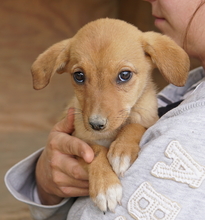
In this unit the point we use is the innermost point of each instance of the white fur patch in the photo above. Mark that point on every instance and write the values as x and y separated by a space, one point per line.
101 202
120 164
110 199
146 204
183 168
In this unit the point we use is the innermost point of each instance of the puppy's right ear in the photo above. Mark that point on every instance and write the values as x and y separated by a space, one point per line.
171 60
52 61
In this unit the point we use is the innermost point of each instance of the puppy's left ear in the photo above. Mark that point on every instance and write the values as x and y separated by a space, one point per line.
52 61
171 60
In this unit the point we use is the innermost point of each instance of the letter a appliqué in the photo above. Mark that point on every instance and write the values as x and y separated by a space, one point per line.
183 168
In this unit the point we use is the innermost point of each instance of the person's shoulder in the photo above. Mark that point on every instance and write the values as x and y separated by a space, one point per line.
198 94
197 71
195 77
193 104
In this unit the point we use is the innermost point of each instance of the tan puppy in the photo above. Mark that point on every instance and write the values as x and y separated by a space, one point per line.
110 63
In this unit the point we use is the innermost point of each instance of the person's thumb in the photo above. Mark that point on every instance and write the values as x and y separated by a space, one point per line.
66 125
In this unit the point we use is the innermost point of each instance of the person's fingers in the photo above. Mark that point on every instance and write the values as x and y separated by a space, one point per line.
62 180
64 186
70 191
70 145
75 170
77 147
74 192
69 166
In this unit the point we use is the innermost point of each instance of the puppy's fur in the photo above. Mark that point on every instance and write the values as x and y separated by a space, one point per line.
110 63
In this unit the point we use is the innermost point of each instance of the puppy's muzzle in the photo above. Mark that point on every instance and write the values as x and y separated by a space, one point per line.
97 122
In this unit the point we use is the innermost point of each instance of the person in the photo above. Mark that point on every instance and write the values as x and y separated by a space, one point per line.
167 181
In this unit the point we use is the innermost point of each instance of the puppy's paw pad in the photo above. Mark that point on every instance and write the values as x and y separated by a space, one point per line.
120 164
109 199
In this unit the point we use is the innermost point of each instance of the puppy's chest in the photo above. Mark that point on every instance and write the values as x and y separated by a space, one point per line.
93 138
104 142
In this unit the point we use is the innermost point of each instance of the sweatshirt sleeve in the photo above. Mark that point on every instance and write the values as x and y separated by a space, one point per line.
20 181
172 94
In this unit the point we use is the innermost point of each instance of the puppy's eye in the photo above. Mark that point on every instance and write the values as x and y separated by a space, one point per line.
124 76
79 77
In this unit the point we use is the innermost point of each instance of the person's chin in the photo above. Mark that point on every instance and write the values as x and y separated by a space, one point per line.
159 23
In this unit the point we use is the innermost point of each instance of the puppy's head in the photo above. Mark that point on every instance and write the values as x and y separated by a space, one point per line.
110 62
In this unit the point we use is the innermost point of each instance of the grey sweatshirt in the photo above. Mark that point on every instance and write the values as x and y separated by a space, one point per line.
166 182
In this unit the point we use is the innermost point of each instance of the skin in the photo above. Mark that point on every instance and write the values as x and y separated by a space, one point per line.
58 173
172 18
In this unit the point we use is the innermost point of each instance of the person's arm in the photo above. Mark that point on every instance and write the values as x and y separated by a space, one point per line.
66 179
20 181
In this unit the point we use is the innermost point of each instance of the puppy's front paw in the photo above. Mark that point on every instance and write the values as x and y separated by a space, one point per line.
104 186
122 155
109 198
119 163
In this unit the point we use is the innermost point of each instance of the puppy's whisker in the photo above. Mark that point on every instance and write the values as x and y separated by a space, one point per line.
78 109
77 113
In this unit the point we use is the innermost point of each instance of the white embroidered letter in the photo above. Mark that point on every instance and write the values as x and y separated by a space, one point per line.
183 168
147 204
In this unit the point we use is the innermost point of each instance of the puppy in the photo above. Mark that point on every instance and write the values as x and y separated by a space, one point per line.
110 64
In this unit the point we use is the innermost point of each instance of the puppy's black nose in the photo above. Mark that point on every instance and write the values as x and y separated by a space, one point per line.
97 123
97 127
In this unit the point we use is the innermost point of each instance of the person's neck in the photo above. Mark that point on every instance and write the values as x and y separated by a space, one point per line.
201 58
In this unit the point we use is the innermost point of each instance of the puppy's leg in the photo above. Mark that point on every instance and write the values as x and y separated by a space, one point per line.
124 150
104 186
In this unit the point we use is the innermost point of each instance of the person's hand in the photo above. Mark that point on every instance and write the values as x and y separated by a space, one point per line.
58 173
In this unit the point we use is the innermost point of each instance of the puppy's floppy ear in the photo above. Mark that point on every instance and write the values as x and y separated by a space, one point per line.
52 61
171 60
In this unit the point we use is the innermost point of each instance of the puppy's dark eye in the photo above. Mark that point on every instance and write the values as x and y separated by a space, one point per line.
79 77
124 76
